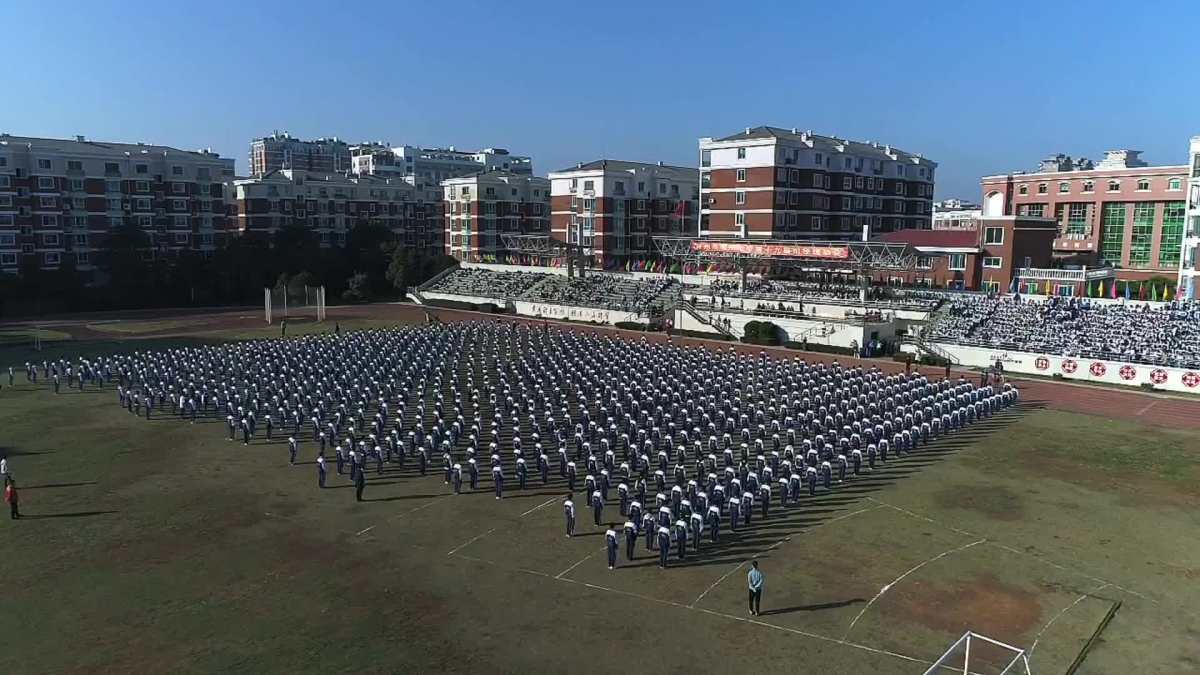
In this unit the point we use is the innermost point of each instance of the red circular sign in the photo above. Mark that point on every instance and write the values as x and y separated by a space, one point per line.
1128 372
1158 376
1098 368
1069 366
1041 363
1191 379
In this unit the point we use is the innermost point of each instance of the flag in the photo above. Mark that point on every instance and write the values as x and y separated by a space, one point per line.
1048 291
1113 290
1142 290
680 209
1101 293
1166 293
1127 290
1012 288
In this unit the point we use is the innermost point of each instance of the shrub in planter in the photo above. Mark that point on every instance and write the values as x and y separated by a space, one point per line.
761 333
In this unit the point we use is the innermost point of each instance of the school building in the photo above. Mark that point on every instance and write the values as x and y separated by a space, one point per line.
1119 212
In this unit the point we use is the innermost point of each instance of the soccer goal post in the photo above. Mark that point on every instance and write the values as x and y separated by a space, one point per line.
958 657
294 302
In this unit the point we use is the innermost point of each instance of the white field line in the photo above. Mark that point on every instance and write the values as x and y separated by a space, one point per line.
470 541
538 507
563 573
733 617
900 578
775 545
364 531
1060 613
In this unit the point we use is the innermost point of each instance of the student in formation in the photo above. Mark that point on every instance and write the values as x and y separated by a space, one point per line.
569 512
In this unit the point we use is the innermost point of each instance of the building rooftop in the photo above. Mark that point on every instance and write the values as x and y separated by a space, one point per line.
828 143
621 165
81 144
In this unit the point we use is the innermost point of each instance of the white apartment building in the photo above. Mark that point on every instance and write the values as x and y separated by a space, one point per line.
480 208
428 167
1189 261
59 198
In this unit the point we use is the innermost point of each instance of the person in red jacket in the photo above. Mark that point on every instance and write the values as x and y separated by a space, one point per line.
10 496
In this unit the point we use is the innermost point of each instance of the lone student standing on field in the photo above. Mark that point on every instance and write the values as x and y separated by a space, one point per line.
755 579
10 496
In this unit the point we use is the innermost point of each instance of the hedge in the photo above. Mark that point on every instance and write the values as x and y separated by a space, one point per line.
488 307
820 348
761 333
699 334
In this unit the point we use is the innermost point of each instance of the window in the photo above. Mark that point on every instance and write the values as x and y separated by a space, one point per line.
847 183
177 170
47 202
7 239
956 262
8 259
181 237
818 223
1032 210
179 188
739 197
1171 235
619 186
1114 186
44 164
589 185
662 188
1175 184
818 180
993 262
1022 189
142 168
83 258
900 188
589 204
49 221
993 235
739 218
1041 188
141 204
1064 290
77 184
1142 234
990 286
1143 184
1064 187
1077 220
741 175
112 167
741 153
49 240
179 205
81 240
858 183
1089 186
51 257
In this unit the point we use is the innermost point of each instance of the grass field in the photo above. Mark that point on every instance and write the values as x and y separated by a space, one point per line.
158 546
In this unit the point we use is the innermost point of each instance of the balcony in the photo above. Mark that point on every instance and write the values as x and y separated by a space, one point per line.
1048 274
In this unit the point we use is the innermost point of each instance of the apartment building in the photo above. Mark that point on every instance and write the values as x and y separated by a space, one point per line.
480 208
429 167
1189 261
1117 212
613 208
769 182
59 198
332 205
955 214
282 151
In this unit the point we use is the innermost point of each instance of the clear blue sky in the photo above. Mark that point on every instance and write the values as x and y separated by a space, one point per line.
979 89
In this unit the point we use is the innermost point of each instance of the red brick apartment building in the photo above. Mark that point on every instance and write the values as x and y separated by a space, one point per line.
615 208
1119 212
981 259
768 182
481 208
59 198
331 205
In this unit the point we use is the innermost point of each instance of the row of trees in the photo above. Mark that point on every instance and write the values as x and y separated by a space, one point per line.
371 266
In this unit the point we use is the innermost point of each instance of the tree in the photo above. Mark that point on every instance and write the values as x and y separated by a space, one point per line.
398 268
121 260
357 288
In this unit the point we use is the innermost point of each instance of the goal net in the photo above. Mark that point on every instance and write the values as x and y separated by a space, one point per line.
294 302
975 654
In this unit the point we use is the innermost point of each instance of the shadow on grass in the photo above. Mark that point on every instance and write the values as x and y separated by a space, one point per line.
813 608
73 514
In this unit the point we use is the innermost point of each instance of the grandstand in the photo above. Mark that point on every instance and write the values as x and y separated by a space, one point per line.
1165 336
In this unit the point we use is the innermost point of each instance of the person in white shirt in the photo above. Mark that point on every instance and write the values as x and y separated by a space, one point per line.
4 469
569 512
